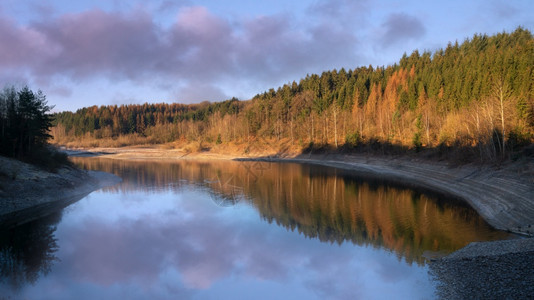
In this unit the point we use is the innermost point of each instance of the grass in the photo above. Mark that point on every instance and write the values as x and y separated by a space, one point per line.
48 158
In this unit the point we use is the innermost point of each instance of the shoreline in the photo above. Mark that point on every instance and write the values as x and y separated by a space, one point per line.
487 270
28 192
503 201
503 195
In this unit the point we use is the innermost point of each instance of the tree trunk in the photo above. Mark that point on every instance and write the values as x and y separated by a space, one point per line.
312 130
291 125
325 132
501 102
335 125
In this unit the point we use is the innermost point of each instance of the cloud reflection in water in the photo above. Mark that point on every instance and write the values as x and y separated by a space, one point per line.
155 249
226 230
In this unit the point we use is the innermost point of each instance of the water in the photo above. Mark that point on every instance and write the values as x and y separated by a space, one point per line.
227 230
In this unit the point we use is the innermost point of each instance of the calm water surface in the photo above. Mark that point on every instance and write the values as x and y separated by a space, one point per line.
235 230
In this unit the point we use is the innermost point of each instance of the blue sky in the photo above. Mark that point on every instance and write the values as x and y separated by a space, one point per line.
83 53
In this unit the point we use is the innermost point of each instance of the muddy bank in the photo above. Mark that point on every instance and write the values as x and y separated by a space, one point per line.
28 193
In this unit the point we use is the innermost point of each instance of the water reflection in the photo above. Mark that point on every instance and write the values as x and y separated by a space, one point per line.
318 202
190 229
179 245
28 251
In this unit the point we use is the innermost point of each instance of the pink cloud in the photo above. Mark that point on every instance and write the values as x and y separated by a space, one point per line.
198 46
96 42
20 45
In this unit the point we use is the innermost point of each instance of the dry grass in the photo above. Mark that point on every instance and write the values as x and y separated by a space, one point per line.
90 142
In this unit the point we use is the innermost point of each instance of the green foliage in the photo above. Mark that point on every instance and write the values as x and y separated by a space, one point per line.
451 87
417 141
128 119
24 122
353 139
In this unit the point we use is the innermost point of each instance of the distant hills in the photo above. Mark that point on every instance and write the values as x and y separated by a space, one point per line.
476 95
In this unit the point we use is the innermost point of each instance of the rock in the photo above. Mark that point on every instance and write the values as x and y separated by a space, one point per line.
489 270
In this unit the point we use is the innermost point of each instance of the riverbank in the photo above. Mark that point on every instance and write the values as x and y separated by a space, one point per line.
28 192
502 195
489 270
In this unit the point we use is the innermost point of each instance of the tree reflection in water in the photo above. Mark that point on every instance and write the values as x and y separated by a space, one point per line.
28 251
324 203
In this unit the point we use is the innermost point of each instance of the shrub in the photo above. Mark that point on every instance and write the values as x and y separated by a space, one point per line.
417 141
353 139
48 158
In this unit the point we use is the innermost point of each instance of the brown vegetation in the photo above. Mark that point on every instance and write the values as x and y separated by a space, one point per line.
477 97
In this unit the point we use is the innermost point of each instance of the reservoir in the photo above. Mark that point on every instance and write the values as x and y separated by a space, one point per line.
218 229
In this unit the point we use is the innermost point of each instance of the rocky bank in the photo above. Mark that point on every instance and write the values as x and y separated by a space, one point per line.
28 192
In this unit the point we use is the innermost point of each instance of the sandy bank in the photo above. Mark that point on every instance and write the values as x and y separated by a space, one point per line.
27 192
504 196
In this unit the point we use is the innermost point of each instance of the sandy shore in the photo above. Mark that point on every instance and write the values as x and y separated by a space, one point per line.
28 193
503 196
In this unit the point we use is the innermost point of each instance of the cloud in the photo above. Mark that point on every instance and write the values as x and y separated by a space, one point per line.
95 42
200 91
197 46
401 27
344 12
60 91
20 45
278 47
168 5
501 9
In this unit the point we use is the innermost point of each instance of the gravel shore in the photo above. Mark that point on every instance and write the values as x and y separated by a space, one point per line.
487 270
504 196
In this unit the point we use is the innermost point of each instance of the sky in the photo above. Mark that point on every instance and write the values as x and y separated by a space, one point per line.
106 52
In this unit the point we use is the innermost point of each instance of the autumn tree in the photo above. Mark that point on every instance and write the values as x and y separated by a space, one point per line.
478 93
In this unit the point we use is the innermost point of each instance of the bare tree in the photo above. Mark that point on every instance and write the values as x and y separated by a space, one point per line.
501 94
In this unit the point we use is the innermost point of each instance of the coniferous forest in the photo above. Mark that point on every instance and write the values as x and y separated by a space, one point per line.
476 95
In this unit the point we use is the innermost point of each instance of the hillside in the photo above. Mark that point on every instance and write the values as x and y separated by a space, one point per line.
477 96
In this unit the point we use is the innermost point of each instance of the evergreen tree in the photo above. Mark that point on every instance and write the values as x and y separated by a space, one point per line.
24 120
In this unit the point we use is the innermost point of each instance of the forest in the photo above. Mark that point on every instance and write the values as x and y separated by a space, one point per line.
477 95
25 123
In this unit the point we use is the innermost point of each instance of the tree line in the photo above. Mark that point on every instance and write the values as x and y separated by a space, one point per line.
24 122
478 94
